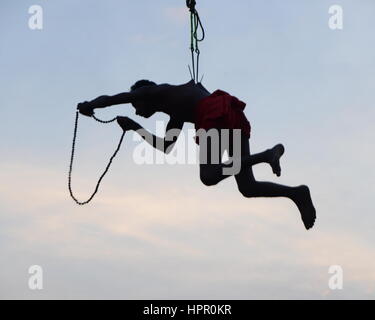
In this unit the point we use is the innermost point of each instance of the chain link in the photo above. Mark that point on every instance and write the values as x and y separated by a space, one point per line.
72 160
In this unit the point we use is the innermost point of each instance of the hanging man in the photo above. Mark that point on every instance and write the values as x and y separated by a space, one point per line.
192 103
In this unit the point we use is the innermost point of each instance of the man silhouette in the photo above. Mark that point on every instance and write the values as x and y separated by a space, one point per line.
191 102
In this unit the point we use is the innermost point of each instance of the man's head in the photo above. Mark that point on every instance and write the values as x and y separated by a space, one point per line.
142 108
142 83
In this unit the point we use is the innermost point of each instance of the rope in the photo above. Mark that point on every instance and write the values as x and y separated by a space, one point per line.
195 24
72 160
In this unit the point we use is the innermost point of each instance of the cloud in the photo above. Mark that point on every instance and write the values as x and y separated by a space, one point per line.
177 15
190 239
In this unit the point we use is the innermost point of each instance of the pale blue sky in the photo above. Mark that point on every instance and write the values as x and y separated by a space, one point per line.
305 85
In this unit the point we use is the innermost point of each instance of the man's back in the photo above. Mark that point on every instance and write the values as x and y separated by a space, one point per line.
179 101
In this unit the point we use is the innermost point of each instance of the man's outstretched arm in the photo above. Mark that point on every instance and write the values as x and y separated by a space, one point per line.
143 93
87 107
106 101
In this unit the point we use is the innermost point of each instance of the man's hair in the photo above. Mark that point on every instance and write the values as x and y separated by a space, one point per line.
142 83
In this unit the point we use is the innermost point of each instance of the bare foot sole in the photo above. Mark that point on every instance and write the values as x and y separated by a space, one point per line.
274 158
305 206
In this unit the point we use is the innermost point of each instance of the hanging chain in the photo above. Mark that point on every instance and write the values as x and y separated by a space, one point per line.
72 160
195 24
104 121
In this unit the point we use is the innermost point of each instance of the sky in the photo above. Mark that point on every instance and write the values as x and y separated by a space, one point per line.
154 231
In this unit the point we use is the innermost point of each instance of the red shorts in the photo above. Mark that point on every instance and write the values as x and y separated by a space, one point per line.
220 110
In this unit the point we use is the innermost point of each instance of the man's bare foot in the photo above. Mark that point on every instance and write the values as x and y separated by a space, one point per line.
274 158
305 206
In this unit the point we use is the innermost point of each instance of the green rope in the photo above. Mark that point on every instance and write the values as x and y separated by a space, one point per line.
195 24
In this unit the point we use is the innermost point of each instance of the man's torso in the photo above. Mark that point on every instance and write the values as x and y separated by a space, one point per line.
179 101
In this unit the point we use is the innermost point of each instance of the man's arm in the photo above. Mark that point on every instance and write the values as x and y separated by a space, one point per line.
165 144
147 93
106 101
87 107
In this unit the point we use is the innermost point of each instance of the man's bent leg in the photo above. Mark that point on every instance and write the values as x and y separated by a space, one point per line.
211 173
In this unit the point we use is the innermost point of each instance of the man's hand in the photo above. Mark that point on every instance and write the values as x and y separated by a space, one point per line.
86 108
128 124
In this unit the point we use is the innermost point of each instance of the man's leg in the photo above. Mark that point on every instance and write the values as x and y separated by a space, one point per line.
250 188
212 174
270 156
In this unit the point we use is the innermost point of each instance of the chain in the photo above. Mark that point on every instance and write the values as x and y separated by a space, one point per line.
104 121
72 160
